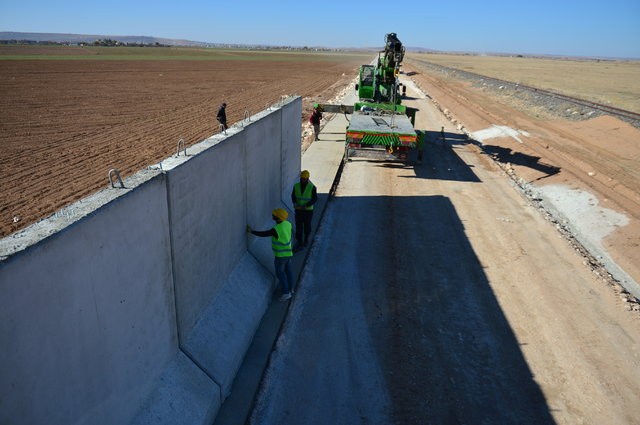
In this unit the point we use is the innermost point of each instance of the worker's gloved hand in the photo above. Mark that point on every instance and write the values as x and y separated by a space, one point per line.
248 229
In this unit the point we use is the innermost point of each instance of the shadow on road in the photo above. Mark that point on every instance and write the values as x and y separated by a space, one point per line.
444 138
500 154
395 322
439 162
448 352
443 163
508 156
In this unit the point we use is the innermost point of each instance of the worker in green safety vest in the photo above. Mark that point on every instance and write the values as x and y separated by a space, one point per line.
304 195
281 245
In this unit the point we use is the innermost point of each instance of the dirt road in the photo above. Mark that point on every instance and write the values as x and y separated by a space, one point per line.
436 293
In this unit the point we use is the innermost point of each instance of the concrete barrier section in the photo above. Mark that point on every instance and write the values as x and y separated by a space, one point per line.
142 309
207 204
290 157
87 320
264 180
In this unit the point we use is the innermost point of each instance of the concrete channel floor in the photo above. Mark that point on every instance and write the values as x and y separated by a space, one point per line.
323 159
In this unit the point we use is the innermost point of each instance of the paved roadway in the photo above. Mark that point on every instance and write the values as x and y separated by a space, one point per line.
435 293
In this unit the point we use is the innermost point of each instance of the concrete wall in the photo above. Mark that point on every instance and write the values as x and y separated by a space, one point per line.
207 203
141 310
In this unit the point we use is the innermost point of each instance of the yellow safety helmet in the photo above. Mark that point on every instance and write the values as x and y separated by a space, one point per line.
280 213
304 174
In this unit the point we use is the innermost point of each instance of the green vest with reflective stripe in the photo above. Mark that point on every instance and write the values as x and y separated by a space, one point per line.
302 198
282 246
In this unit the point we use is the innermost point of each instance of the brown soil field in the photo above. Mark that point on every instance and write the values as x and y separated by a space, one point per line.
610 82
71 114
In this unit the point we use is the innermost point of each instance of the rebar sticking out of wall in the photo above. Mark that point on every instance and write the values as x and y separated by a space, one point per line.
117 174
184 148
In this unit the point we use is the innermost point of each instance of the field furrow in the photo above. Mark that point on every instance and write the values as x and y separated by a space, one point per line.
65 123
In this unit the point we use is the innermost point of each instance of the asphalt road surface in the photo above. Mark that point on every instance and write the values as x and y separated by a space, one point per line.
436 294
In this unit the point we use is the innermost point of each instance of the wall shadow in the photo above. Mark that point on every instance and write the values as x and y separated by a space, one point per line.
448 353
443 163
507 155
437 164
500 154
445 138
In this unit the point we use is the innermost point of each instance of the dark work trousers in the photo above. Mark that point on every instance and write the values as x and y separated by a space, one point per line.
283 272
303 225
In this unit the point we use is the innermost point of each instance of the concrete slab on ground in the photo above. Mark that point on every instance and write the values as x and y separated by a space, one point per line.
183 396
229 322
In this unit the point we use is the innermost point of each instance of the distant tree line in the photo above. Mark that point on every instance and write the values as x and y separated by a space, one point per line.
111 43
106 42
48 43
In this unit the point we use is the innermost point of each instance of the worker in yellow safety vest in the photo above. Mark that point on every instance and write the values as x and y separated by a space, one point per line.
304 195
281 245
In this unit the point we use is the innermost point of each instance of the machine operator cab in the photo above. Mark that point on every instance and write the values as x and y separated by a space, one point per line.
366 86
379 83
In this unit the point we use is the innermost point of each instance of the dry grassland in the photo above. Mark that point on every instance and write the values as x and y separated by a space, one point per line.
614 83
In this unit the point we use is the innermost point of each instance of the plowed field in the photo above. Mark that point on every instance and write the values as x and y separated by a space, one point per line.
69 115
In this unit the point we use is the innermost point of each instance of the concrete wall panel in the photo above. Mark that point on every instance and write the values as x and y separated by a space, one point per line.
263 153
207 224
93 317
291 157
87 316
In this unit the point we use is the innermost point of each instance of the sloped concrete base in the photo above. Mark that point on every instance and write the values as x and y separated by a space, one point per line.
223 333
184 395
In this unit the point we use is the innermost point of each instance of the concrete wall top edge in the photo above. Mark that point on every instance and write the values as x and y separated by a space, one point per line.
63 218
174 161
21 240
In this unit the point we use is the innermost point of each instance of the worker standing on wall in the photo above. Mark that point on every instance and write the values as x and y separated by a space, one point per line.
303 196
281 245
222 116
314 119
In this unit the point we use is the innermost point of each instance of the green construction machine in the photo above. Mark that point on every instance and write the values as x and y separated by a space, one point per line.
380 127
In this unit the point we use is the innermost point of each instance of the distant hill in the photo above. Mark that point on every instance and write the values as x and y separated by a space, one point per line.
41 37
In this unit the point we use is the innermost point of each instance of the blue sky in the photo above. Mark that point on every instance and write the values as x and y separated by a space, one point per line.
567 27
